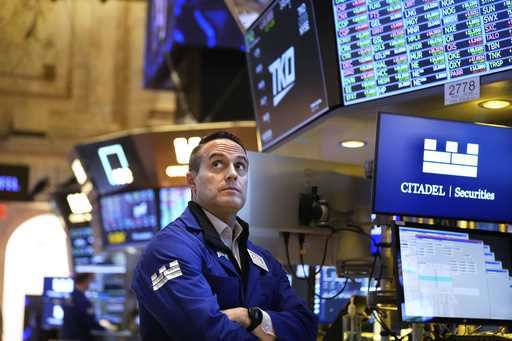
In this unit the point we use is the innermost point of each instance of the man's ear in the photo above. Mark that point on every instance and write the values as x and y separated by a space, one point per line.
191 181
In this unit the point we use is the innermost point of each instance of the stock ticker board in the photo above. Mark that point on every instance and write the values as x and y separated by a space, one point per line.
389 47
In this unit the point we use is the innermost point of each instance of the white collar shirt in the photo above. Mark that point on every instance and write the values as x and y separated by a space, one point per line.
228 234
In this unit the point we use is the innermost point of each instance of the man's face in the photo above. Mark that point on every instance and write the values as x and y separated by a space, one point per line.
220 186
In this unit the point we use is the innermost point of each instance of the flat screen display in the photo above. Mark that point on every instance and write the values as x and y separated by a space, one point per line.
449 275
129 217
55 291
445 169
389 47
173 201
13 182
285 68
201 23
82 246
114 165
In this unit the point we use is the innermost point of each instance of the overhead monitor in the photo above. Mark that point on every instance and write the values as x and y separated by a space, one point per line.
285 68
56 290
204 24
173 201
129 217
114 165
446 169
391 47
452 275
13 182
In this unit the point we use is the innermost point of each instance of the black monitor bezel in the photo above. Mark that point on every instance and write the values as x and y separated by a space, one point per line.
375 170
399 285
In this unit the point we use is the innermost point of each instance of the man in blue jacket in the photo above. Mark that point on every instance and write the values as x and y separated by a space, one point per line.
201 278
79 318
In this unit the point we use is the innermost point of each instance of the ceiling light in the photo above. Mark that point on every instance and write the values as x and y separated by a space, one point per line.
353 144
495 104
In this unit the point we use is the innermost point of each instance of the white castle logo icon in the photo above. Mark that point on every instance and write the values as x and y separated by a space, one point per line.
450 162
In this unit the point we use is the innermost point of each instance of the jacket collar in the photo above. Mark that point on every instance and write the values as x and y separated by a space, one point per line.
195 218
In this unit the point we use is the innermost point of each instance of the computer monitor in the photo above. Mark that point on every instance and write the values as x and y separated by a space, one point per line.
453 275
387 48
82 246
129 218
429 167
285 68
55 291
173 201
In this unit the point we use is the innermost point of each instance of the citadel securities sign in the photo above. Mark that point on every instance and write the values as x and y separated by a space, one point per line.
450 162
446 169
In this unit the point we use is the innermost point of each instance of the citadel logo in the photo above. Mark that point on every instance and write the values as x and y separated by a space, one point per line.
283 75
450 162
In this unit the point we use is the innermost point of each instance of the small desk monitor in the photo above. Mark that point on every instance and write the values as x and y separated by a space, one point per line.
453 275
56 290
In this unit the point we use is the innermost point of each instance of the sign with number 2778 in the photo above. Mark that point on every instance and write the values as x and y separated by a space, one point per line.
462 90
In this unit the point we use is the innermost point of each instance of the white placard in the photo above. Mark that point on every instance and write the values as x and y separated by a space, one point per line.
462 90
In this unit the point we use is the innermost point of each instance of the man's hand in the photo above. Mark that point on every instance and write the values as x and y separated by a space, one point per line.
241 316
238 315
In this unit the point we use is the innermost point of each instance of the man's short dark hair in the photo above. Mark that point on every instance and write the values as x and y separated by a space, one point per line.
195 157
83 277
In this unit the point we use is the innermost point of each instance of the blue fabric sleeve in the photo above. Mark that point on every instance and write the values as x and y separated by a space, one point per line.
291 318
184 306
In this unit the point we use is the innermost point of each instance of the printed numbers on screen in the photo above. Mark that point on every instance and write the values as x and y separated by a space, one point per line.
461 87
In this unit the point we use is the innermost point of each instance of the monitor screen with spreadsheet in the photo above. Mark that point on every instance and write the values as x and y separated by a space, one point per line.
453 275
389 47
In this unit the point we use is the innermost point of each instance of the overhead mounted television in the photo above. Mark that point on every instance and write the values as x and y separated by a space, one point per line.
173 201
396 46
445 169
13 182
114 165
285 68
129 218
452 275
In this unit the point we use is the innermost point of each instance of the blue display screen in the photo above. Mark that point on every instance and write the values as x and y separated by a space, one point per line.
82 246
129 217
173 201
55 291
445 169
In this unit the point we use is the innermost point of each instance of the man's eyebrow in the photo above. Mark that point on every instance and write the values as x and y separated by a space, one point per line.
243 157
213 155
216 155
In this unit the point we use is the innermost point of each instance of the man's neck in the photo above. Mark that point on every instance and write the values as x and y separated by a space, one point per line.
228 218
